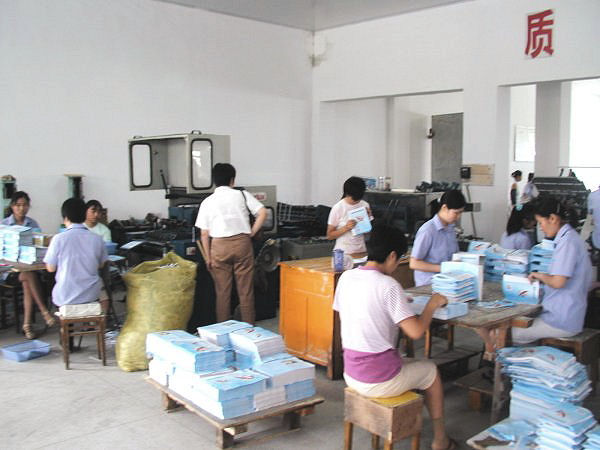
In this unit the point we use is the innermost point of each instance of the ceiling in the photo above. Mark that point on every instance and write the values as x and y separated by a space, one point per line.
313 15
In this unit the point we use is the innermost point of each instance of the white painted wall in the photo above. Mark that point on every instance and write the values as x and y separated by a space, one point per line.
522 113
477 47
80 77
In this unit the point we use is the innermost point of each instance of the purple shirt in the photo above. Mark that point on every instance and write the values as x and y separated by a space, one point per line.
372 367
78 254
434 244
565 308
28 222
517 241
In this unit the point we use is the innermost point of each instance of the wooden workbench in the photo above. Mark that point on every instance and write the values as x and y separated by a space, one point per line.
309 325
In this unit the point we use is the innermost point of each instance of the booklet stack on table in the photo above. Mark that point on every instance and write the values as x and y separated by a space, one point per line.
258 376
521 290
455 286
500 261
593 439
541 256
28 254
13 237
450 311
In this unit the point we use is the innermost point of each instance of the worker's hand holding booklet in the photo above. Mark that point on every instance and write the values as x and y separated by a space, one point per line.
363 222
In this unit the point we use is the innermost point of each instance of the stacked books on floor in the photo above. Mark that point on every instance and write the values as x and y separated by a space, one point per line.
541 256
450 311
231 370
29 254
549 386
520 289
501 261
13 237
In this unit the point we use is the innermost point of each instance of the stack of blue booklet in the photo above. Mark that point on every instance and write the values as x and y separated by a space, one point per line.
13 237
450 311
500 261
544 378
218 333
479 247
29 254
564 427
510 430
256 343
520 289
284 371
541 256
197 356
455 286
299 390
593 439
158 344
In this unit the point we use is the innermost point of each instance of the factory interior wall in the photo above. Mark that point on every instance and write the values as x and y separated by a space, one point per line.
474 47
81 77
522 114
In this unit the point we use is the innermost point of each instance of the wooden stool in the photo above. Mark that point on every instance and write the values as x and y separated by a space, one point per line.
586 348
80 326
393 418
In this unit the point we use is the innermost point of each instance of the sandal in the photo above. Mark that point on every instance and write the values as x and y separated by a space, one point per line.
28 332
452 444
48 318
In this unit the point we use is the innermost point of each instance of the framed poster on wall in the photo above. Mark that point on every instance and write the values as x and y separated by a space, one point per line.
524 143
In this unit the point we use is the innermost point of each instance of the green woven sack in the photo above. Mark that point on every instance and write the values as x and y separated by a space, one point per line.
160 296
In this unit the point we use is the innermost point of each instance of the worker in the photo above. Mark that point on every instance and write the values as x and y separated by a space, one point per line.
530 192
372 308
226 241
519 223
514 188
339 224
436 241
32 291
93 213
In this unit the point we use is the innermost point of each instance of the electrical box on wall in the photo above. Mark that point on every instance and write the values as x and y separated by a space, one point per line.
478 174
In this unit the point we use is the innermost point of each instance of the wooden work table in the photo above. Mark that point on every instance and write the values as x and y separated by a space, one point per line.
309 325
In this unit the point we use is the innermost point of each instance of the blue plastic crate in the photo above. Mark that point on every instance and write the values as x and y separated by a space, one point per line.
26 350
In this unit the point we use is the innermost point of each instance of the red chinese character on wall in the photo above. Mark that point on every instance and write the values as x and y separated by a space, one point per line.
539 33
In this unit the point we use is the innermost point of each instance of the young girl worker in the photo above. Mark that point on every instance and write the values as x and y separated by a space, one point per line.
19 204
516 236
339 224
435 241
566 284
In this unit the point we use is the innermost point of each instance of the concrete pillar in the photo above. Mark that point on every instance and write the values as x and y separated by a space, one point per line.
552 127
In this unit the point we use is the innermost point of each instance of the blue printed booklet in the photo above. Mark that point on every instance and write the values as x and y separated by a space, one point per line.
240 383
198 355
363 222
472 269
478 246
158 343
218 333
521 289
257 342
286 371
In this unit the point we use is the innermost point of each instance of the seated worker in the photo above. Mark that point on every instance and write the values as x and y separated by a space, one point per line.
436 241
372 308
76 255
32 291
520 221
93 213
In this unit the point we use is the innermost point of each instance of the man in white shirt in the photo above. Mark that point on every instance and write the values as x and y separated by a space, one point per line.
226 242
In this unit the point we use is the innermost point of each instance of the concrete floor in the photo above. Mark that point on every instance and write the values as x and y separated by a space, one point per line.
96 407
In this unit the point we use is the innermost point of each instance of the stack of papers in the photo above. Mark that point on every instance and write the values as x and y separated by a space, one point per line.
197 356
450 311
270 398
158 344
500 261
14 237
564 428
512 430
593 439
543 378
541 256
455 286
160 370
471 258
298 391
28 254
218 333
521 290
240 383
286 371
257 343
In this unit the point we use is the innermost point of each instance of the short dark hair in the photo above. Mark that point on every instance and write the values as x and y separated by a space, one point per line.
517 215
354 187
385 239
18 196
516 173
222 174
545 206
453 199
93 204
74 209
530 176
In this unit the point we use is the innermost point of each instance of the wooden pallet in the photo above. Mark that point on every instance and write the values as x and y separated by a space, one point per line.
228 429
